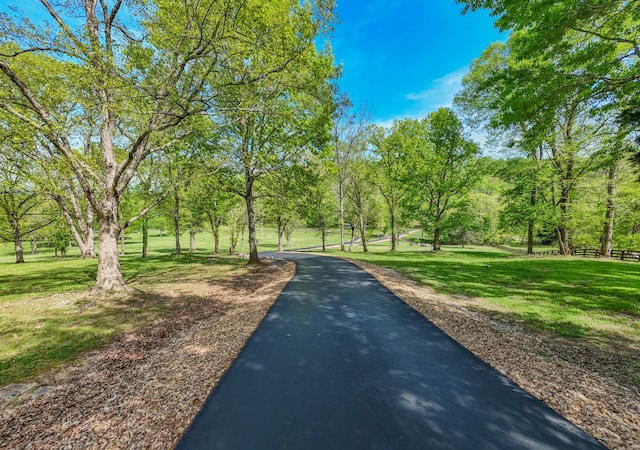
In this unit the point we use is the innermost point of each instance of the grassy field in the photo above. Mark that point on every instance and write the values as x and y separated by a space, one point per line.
46 317
536 248
165 244
575 297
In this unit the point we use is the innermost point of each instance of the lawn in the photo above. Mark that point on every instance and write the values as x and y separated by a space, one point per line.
47 318
575 297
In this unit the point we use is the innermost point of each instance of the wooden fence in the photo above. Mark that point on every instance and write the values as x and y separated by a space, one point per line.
624 255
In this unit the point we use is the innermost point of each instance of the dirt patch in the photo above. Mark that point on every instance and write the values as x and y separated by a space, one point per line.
144 389
584 383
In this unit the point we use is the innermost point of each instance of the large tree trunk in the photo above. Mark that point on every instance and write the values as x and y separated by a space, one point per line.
562 234
88 249
363 230
436 237
109 274
17 238
280 234
530 227
192 240
34 246
607 235
254 258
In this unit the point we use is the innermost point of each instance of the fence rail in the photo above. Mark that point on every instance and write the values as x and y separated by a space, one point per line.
624 255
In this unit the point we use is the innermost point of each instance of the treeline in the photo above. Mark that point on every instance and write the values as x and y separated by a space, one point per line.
218 115
108 101
562 94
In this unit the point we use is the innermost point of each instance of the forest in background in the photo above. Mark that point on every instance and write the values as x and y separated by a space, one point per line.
214 117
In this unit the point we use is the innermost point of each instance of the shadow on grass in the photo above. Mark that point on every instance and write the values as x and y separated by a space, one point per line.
607 353
73 275
586 285
62 335
59 328
48 278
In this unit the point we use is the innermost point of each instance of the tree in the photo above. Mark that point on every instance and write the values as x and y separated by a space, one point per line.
544 115
20 201
443 164
359 191
347 133
25 207
284 197
137 72
148 190
596 41
273 124
496 96
237 220
320 203
594 44
617 146
391 174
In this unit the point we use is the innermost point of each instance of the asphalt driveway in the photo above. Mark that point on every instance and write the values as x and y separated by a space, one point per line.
342 363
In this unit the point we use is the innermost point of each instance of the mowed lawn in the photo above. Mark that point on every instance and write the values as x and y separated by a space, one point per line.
576 297
47 317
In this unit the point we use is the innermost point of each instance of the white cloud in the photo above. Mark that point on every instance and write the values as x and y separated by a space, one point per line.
439 93
385 123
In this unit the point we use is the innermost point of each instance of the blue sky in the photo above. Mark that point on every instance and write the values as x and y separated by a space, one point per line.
401 58
405 58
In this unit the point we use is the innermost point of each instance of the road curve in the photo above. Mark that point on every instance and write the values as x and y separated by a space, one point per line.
340 362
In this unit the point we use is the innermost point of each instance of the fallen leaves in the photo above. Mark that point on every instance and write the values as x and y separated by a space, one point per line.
143 390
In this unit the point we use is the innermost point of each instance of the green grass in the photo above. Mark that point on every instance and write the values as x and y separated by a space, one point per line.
575 297
47 318
165 244
536 248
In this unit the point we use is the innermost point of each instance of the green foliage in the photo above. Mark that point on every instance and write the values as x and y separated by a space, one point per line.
135 79
442 167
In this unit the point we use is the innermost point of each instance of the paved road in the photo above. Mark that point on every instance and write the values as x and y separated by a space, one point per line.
341 363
